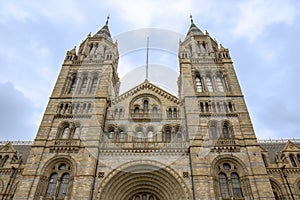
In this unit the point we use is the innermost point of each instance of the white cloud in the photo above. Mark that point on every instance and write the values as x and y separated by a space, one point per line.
57 11
255 15
12 11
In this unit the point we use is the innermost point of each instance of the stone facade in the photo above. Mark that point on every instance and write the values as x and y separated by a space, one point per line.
147 144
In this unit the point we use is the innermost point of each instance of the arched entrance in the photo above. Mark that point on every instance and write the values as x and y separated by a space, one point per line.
143 180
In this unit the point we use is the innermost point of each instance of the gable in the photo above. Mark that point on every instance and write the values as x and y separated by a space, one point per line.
145 89
8 148
290 147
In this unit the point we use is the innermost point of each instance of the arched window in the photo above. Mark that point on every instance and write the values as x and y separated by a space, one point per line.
175 113
94 85
139 134
168 135
170 113
83 85
219 84
225 131
223 185
154 109
146 105
198 84
111 133
209 84
121 113
51 185
58 182
122 135
65 132
213 131
63 188
236 185
76 131
136 110
150 135
293 161
73 85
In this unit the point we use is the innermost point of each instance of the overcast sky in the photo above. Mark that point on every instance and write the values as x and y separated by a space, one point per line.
262 36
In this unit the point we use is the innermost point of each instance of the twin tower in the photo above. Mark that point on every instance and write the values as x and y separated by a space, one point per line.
146 144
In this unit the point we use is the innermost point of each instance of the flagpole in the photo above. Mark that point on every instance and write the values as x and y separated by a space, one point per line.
147 58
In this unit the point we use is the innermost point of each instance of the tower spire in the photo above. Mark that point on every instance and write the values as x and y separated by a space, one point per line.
147 58
107 19
191 16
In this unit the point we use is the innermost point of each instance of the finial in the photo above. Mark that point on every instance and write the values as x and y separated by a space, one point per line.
191 16
107 19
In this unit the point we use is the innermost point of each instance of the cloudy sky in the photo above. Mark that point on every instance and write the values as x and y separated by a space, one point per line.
262 36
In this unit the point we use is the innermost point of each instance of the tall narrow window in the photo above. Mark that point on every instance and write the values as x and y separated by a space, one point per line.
206 107
201 107
225 131
213 131
150 135
65 133
175 113
209 84
179 135
94 85
111 134
293 161
63 188
139 135
122 135
170 113
168 135
198 84
83 85
51 185
236 185
223 184
219 84
73 85
146 105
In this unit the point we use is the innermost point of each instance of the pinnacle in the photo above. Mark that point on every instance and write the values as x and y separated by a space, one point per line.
104 31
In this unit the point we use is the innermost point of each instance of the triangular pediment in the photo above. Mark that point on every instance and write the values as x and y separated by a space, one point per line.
290 146
143 88
7 148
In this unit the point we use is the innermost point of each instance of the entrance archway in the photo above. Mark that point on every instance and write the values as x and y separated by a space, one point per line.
143 180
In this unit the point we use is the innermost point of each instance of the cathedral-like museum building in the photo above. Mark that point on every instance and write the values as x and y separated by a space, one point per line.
148 144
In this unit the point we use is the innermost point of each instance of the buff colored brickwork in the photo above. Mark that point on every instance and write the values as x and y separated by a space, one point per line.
148 144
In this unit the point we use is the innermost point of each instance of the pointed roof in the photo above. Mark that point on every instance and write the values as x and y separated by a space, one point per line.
146 86
104 31
7 148
193 30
